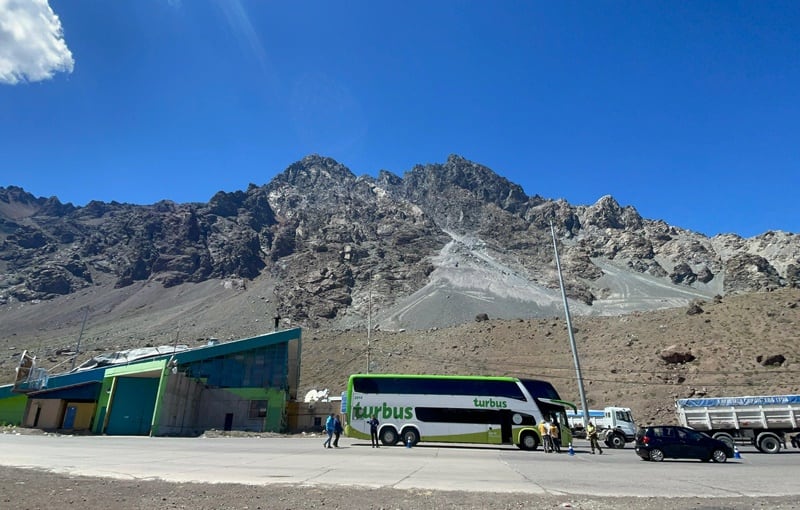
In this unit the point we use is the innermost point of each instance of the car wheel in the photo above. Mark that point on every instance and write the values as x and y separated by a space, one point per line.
725 438
656 455
719 456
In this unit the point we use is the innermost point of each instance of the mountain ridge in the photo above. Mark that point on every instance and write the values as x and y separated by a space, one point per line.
450 268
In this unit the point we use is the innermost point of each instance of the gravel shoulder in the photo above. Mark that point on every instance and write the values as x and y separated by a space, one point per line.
29 489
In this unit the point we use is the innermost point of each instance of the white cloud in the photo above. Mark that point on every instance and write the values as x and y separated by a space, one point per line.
32 46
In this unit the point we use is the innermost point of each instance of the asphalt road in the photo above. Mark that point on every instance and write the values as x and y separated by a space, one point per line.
302 460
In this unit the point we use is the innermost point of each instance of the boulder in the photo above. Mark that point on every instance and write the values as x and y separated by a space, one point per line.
675 354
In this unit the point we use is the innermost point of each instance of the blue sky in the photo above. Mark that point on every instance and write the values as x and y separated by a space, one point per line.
687 111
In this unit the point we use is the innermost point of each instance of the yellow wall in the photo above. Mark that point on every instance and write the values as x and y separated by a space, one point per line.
83 416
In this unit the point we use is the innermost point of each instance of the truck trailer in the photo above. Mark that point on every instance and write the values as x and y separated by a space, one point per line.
615 425
763 421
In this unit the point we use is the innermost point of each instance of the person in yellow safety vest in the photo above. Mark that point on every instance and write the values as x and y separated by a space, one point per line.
591 434
555 435
544 433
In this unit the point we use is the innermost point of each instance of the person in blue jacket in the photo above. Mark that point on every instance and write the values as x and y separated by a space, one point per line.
329 427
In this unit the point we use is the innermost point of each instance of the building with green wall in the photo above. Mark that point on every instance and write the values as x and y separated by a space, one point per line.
241 385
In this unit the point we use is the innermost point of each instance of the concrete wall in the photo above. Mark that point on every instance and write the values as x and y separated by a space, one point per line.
216 404
50 416
179 406
303 416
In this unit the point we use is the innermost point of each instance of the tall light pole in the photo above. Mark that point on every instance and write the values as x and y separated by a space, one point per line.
569 329
369 319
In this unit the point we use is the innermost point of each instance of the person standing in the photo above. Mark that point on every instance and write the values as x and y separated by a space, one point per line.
373 430
591 434
337 430
544 433
328 430
555 435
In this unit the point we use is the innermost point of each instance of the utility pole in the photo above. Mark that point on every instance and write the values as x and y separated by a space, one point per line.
78 348
369 320
571 334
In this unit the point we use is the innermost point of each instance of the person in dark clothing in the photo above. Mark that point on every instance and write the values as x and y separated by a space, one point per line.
373 431
337 430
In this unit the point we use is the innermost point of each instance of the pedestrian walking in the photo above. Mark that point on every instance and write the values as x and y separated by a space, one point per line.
591 434
337 430
328 430
373 431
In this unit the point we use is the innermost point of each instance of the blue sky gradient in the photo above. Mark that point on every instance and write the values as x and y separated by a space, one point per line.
687 111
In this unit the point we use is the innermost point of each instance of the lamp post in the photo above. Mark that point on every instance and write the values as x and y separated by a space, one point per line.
369 320
569 329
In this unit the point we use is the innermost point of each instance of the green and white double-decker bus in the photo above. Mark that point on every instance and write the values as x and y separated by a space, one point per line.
453 409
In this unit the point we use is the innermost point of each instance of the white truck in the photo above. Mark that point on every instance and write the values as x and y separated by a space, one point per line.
615 425
760 421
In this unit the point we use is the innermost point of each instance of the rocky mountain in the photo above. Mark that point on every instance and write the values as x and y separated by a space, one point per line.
454 254
332 241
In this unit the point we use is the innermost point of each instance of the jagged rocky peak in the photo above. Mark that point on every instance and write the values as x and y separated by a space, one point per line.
480 182
314 171
607 213
16 203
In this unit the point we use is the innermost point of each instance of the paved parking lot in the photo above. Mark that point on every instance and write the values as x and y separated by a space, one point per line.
302 460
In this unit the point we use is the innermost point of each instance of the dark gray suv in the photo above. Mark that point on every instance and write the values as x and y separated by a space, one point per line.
666 441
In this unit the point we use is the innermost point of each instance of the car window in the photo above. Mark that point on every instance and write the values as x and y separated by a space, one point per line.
694 436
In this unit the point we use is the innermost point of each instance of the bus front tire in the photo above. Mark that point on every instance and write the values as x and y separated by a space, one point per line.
528 441
389 436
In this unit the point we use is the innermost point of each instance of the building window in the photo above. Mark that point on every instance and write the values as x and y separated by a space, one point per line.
258 409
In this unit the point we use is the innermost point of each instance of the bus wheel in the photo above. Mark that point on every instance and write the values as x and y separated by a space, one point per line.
528 441
389 436
410 436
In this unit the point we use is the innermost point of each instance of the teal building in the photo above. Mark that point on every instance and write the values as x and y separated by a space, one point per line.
243 385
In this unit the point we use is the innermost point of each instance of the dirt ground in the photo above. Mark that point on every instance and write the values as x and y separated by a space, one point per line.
619 356
26 489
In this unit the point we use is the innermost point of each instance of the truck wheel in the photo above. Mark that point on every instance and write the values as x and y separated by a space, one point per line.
616 441
725 438
769 444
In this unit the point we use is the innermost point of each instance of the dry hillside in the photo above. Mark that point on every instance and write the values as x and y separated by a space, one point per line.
619 356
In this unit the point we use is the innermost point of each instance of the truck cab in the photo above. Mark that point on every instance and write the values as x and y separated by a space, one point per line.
615 425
